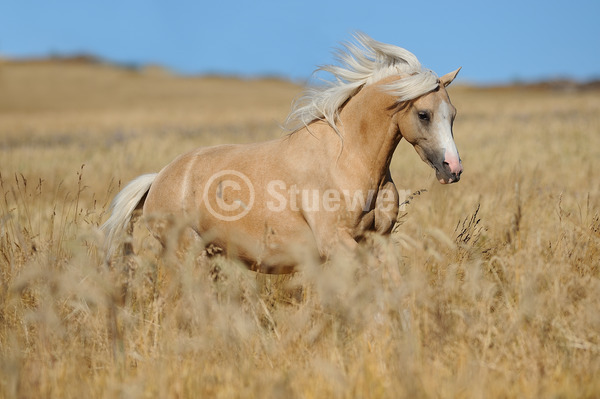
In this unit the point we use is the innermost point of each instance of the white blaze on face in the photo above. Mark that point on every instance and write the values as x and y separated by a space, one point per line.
444 130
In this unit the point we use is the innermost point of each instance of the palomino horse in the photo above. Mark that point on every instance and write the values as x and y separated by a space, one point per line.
322 187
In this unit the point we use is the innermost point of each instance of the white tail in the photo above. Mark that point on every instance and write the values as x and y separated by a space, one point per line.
122 208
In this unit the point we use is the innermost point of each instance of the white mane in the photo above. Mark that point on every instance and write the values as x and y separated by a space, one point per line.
361 64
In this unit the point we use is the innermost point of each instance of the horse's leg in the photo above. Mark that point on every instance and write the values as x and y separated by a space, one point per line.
128 243
386 206
130 264
329 236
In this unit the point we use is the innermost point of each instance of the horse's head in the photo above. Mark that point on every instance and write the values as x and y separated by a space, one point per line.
426 123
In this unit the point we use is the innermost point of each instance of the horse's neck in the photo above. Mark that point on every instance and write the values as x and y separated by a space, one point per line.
370 136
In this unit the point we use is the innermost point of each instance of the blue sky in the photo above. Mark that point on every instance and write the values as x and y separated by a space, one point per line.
494 42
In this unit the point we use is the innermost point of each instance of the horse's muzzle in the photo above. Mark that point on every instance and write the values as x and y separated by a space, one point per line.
449 172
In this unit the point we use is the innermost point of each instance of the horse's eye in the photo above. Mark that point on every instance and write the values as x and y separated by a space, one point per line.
424 116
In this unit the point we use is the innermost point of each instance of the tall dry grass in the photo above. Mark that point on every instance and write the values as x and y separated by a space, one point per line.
487 288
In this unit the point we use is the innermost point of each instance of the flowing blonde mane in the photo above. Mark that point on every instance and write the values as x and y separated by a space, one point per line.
366 62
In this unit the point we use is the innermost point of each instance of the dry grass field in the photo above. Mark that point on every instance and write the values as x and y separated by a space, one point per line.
488 288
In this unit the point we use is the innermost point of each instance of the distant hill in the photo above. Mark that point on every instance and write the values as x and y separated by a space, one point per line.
60 95
67 59
555 85
156 69
85 82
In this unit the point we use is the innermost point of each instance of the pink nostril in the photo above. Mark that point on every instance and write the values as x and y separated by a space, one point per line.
454 166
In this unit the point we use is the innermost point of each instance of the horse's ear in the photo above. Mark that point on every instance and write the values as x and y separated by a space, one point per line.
449 77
